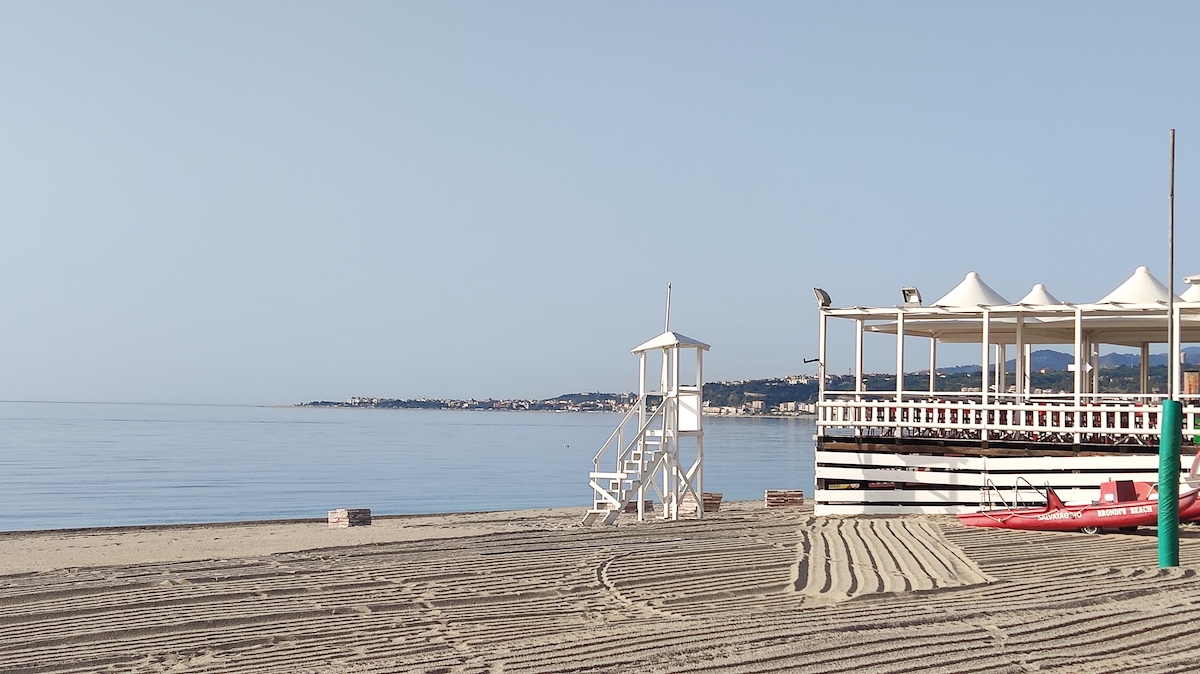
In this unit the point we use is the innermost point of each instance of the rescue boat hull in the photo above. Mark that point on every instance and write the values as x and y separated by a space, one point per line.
1056 516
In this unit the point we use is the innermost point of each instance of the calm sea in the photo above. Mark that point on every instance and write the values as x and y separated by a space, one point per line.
79 465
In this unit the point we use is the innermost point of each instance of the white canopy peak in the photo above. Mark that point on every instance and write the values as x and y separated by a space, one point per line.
970 293
1039 296
1140 288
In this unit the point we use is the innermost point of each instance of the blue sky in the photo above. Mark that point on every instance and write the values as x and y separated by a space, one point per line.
277 202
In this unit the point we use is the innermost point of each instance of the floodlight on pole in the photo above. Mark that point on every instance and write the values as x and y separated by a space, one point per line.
823 300
912 296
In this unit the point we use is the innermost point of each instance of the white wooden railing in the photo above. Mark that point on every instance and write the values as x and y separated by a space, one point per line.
1098 418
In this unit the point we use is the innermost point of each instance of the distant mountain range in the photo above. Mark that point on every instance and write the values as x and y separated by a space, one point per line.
1050 360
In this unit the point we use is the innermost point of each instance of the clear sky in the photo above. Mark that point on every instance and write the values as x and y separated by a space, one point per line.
275 202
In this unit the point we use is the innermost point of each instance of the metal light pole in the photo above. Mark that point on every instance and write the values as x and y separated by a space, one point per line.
1170 427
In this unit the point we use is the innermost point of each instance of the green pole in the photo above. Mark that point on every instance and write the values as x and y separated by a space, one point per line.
1171 435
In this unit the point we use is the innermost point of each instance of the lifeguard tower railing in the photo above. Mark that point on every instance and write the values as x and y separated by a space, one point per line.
1095 418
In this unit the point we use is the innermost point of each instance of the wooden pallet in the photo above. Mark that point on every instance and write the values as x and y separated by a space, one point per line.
349 517
782 498
712 503
631 507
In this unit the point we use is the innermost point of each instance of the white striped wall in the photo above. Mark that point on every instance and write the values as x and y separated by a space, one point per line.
956 482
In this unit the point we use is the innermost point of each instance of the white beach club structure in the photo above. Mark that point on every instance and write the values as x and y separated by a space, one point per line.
938 451
658 448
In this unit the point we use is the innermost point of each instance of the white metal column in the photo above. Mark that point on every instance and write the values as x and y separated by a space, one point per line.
1144 367
933 364
1028 374
858 373
1078 368
1176 351
899 360
821 356
1001 371
899 371
1019 366
858 356
987 353
699 477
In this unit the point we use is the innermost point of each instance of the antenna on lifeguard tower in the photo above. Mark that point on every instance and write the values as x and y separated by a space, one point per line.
667 326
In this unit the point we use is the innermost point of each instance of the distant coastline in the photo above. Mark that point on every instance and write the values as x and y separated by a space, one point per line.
786 396
794 395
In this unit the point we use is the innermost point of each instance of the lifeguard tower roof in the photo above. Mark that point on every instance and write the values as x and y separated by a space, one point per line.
669 339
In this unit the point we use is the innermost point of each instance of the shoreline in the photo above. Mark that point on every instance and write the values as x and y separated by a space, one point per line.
38 551
125 528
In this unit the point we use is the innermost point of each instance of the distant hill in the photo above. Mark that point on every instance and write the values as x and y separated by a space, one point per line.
1042 359
1051 360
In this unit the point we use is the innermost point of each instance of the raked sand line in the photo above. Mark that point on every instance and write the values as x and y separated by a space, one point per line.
842 558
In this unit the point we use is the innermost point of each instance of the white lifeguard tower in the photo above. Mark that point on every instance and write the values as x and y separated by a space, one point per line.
658 448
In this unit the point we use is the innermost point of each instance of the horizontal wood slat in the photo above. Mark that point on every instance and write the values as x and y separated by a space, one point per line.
779 498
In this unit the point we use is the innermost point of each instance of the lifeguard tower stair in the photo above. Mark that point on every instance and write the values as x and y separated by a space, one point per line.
637 462
657 451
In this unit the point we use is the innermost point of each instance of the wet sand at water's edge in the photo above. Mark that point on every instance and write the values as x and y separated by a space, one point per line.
744 590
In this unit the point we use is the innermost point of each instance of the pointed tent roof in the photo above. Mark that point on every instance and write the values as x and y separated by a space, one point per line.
670 339
1141 288
1039 296
970 293
1192 294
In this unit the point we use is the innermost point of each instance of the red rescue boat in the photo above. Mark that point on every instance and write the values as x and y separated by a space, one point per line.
1123 505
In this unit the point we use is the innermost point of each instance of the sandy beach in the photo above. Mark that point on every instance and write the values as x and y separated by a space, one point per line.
745 590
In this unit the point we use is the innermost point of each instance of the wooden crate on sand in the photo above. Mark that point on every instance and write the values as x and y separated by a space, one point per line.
631 507
349 517
712 503
781 498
